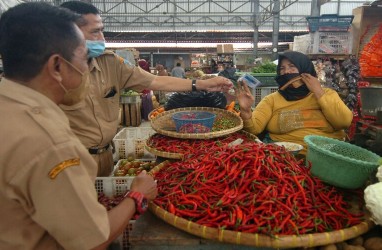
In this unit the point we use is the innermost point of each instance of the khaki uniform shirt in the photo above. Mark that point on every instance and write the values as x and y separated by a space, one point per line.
291 121
41 206
95 120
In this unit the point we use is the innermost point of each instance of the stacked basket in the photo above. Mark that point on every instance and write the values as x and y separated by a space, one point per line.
164 123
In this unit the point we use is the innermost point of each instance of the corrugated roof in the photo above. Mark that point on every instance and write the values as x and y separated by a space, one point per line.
213 15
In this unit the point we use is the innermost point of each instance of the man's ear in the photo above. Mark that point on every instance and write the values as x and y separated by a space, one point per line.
54 67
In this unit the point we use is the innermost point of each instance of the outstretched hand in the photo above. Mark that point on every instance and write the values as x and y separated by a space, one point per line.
218 84
245 99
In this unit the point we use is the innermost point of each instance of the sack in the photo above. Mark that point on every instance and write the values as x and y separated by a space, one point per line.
196 99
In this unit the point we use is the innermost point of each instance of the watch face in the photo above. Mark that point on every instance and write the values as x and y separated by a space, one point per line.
145 204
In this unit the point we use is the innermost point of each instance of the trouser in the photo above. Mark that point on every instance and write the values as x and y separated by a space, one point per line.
105 162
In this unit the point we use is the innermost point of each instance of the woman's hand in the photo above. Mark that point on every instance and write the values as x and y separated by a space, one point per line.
146 185
245 99
313 84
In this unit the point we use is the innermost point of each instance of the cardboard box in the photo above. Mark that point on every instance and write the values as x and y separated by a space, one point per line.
365 23
132 114
224 48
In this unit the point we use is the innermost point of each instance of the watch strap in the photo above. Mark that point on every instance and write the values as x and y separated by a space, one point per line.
193 84
140 202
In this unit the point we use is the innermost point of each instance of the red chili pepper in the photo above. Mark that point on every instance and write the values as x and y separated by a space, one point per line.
272 190
171 208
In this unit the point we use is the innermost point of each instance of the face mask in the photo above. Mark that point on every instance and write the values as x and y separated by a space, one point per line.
283 79
95 48
76 95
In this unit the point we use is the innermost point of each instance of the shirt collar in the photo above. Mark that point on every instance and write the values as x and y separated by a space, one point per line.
93 64
23 94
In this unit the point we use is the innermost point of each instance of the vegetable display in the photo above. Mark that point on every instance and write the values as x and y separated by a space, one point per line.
128 167
253 188
186 146
109 202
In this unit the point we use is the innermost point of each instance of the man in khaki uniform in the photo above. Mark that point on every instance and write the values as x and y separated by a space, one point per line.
47 194
95 121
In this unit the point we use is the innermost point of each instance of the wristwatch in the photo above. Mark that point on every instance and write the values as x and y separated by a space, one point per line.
141 203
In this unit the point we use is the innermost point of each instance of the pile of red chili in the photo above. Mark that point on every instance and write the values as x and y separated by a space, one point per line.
184 146
254 188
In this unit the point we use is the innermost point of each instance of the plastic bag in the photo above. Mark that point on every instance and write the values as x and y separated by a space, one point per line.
229 73
147 104
196 99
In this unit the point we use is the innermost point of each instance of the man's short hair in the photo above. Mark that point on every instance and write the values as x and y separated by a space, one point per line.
178 64
81 8
31 33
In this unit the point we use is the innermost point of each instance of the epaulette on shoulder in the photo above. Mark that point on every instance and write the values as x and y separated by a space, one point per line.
109 52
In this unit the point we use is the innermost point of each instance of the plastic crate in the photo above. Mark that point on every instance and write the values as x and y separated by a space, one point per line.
329 22
260 93
113 186
266 79
131 142
303 43
331 43
116 166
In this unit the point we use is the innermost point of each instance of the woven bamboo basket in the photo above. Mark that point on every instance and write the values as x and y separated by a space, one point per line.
163 154
260 240
164 124
152 112
171 155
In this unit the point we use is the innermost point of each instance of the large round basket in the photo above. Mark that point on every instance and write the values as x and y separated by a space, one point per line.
164 124
340 163
164 154
173 155
260 240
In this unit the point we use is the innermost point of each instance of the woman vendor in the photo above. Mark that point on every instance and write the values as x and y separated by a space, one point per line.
295 110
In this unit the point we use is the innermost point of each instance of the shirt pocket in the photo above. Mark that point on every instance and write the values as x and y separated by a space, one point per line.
110 107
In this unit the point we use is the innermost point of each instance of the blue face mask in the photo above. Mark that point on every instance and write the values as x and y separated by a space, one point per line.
95 48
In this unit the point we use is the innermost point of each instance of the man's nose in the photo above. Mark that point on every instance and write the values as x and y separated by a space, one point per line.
100 36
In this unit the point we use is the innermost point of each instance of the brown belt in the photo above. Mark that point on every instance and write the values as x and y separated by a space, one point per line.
98 150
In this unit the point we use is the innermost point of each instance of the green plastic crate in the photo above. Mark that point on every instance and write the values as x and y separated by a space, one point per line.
267 79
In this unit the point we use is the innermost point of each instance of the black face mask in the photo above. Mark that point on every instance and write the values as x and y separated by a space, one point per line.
290 93
283 79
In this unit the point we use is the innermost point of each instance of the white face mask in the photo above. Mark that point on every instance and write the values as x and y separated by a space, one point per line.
76 95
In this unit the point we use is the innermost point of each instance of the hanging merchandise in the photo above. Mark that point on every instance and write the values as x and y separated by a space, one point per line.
351 72
342 77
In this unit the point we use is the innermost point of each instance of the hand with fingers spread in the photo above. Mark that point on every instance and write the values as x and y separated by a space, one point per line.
245 99
313 84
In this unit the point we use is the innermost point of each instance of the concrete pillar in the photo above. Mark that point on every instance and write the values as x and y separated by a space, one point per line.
276 27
